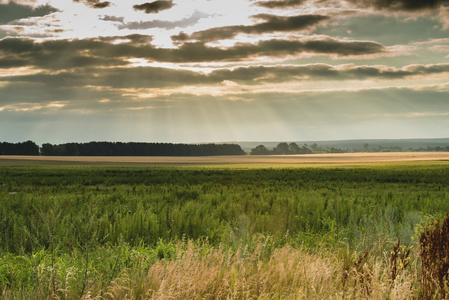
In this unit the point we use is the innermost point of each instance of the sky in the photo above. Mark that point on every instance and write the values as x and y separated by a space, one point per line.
190 71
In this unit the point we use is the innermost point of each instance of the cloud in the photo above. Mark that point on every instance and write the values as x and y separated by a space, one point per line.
427 69
271 23
317 72
198 52
12 11
53 54
443 16
113 19
57 54
95 3
12 63
193 19
281 4
102 4
440 48
113 79
406 5
120 81
155 6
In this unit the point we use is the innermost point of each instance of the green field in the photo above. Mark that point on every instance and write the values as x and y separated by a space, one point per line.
79 231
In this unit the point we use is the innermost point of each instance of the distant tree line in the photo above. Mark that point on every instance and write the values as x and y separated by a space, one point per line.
293 148
281 148
24 148
367 148
139 149
432 149
169 149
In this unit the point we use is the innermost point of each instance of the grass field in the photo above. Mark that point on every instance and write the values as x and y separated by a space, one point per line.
126 229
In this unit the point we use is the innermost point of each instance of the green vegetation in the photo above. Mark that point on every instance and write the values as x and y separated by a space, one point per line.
69 232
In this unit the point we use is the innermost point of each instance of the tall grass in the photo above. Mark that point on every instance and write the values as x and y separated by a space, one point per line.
199 271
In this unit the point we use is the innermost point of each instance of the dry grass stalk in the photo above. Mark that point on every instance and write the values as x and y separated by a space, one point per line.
399 260
289 273
356 274
434 252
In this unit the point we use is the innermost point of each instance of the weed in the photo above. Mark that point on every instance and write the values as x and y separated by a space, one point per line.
434 253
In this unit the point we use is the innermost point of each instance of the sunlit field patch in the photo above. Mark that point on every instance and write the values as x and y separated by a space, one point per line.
242 161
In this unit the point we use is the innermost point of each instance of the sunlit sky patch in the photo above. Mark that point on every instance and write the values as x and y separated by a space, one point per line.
216 71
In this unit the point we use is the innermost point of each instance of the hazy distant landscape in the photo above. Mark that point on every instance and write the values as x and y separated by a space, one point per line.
358 145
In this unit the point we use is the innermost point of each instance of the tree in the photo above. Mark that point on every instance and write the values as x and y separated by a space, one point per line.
260 150
29 148
294 148
24 148
281 148
305 150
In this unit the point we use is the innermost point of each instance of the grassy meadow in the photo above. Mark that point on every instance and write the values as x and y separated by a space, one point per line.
110 232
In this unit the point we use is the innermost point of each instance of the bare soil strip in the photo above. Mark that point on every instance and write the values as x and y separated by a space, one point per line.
335 158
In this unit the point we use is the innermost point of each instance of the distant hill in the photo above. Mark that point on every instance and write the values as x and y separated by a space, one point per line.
405 144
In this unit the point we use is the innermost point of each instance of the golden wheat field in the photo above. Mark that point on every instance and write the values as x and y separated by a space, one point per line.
333 158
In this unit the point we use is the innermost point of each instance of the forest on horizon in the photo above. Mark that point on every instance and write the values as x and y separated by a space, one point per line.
210 149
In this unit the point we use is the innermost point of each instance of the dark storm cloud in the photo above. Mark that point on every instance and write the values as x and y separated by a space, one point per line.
271 23
193 19
12 11
57 54
408 5
95 3
281 4
155 6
